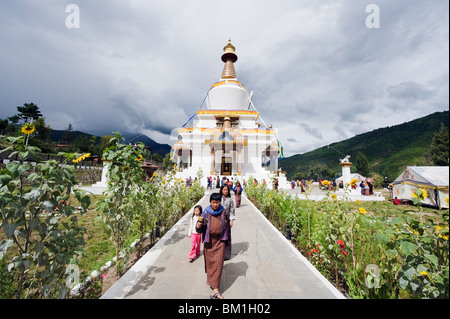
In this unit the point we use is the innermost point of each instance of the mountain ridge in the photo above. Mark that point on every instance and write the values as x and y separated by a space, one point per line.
160 149
387 149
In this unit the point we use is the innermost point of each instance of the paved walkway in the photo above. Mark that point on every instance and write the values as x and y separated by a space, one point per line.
263 265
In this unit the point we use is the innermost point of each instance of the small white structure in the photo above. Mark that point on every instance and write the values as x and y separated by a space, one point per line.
434 179
103 183
101 186
346 175
359 178
227 138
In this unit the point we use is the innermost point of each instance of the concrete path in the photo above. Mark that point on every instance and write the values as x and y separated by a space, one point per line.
263 265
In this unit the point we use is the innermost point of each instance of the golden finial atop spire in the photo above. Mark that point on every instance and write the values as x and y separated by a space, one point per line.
229 57
229 52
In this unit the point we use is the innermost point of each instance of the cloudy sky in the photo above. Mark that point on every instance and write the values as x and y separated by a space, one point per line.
318 72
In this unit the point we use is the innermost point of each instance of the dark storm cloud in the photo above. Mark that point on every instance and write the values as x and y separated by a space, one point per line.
318 73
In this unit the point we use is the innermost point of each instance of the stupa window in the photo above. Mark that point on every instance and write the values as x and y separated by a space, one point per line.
226 136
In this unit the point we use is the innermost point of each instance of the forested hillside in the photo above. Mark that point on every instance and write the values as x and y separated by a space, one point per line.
388 150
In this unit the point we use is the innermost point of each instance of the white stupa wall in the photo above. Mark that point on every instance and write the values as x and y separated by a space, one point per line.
227 96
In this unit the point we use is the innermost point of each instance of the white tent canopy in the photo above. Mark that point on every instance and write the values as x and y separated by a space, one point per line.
434 179
358 177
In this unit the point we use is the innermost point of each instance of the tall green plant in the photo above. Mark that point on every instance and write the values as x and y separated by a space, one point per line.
39 221
368 255
125 178
424 250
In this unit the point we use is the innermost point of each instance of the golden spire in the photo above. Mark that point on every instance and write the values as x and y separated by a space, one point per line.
229 57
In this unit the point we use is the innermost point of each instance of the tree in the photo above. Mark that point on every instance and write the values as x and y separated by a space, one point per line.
3 125
81 143
439 151
42 129
106 142
29 111
362 164
167 162
67 136
12 128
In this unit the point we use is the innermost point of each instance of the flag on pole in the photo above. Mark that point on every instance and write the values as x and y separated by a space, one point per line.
280 146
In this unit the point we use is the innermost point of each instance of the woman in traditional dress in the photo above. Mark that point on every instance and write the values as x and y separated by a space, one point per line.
214 226
228 204
237 193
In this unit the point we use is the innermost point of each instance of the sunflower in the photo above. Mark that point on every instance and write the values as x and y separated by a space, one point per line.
425 274
139 158
82 157
413 231
362 210
333 197
325 183
28 129
353 182
420 194
424 193
438 228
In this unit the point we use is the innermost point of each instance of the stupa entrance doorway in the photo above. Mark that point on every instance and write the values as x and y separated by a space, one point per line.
227 166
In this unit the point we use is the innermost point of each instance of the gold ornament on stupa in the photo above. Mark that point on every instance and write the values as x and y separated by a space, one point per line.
229 57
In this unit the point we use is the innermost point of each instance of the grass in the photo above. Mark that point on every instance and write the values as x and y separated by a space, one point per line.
98 249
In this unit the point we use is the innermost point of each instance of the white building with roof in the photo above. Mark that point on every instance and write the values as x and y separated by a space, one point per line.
228 138
434 179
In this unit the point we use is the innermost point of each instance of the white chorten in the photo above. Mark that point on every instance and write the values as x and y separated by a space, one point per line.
226 139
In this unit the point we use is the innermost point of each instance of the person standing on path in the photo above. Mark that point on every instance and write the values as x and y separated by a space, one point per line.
237 193
228 204
195 236
214 227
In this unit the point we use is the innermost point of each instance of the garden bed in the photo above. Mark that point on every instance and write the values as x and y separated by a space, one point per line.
367 250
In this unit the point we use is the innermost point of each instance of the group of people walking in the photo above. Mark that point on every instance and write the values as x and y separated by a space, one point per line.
212 226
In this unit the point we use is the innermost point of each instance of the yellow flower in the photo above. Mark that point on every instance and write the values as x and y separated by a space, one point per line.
362 210
438 228
446 199
334 197
420 194
28 129
424 193
154 174
353 181
358 201
413 231
139 158
82 158
424 273
325 183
